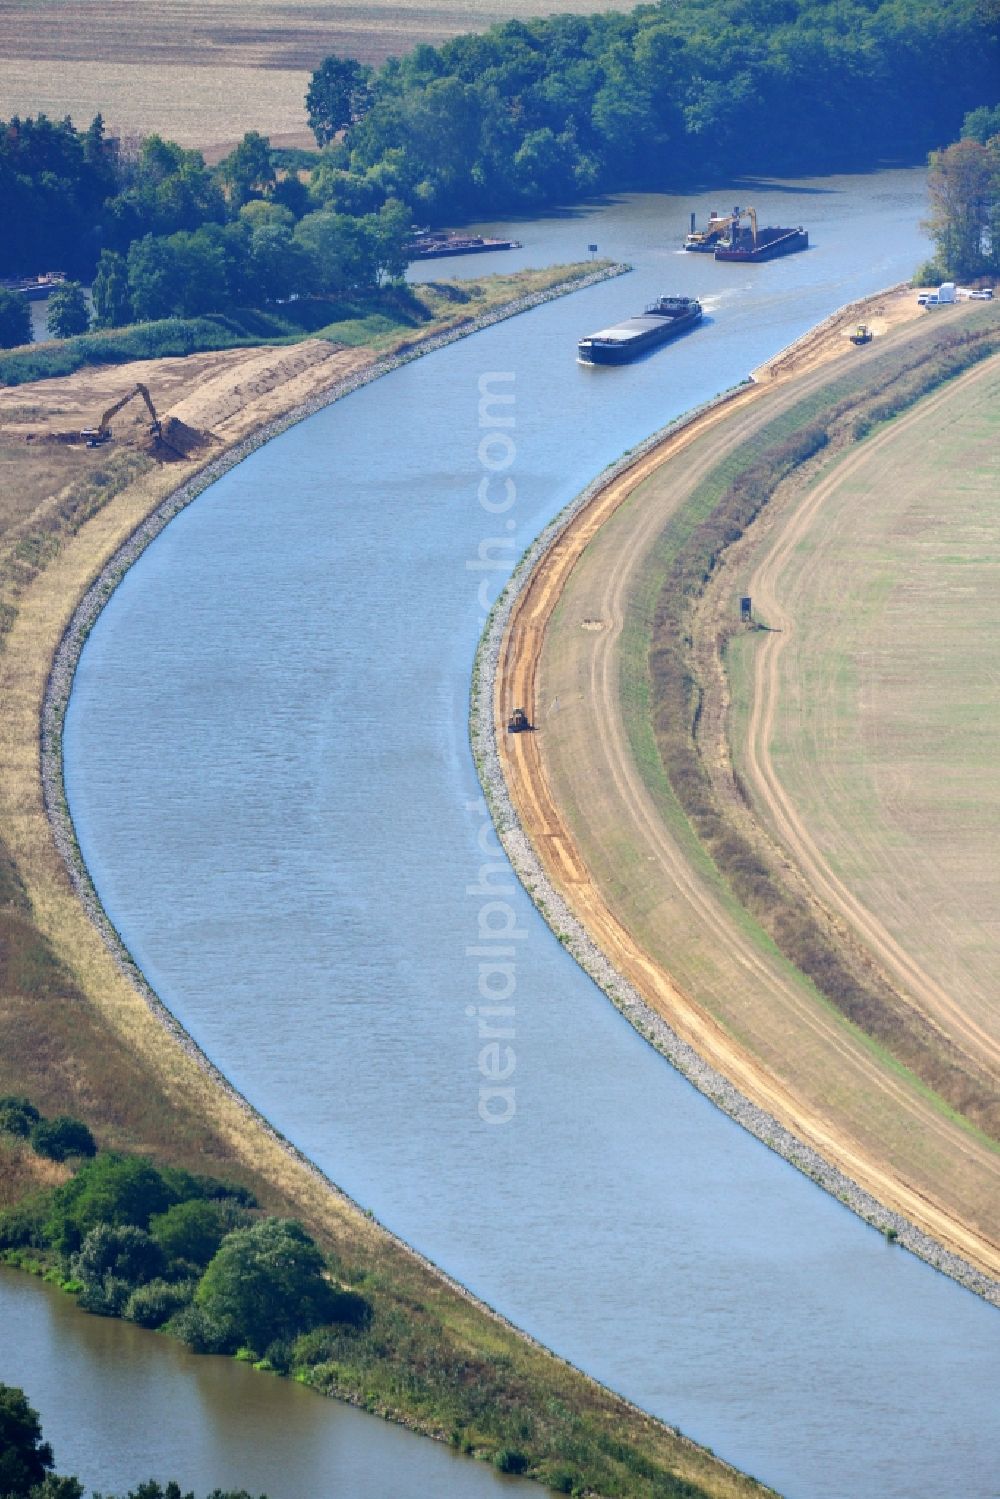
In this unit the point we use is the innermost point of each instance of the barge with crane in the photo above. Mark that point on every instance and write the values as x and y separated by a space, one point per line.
727 237
753 243
719 225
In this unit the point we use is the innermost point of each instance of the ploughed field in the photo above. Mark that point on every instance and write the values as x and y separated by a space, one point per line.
205 74
877 724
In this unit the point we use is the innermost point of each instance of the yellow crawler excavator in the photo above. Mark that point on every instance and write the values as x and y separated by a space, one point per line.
95 437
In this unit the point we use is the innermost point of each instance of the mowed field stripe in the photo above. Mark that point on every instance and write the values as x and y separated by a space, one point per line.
766 587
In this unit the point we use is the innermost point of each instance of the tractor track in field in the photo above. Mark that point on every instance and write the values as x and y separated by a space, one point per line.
765 585
525 770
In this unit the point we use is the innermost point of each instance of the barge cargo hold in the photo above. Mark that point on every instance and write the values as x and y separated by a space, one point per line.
763 244
663 319
34 288
433 247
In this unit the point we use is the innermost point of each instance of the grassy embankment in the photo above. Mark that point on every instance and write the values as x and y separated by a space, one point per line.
860 727
664 696
377 320
78 1038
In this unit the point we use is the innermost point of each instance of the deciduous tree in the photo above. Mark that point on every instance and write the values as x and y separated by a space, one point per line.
248 171
24 1457
265 1283
67 313
964 186
62 1137
110 294
15 319
338 95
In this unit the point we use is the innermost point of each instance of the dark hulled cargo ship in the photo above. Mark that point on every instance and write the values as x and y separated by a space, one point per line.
663 319
755 244
437 246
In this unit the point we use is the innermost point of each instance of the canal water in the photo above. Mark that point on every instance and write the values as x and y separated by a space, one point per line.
268 767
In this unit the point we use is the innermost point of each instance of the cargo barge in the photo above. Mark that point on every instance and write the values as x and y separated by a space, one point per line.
663 319
436 246
753 244
769 244
34 288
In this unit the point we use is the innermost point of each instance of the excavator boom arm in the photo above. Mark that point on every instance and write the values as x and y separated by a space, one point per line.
137 390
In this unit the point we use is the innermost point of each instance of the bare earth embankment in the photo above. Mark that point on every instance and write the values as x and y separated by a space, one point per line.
81 1033
591 794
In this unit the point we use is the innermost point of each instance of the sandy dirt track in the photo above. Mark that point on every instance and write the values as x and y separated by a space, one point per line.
596 758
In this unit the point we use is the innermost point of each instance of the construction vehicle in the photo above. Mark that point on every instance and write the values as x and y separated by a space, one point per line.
862 334
95 437
718 226
518 722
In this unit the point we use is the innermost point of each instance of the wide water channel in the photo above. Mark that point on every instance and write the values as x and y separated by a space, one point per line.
267 764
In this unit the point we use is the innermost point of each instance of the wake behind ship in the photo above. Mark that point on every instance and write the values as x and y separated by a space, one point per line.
663 319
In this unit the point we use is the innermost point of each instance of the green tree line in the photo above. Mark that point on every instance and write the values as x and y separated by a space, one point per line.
964 189
531 112
162 235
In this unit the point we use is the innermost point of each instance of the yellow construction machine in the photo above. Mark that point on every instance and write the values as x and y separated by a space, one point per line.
715 231
94 437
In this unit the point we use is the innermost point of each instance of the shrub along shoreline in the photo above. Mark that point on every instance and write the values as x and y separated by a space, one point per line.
166 1248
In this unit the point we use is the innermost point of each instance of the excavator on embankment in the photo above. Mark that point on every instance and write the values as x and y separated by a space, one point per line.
95 437
170 438
165 440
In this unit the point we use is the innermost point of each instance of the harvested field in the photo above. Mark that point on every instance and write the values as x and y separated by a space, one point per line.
592 795
205 74
875 716
199 105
